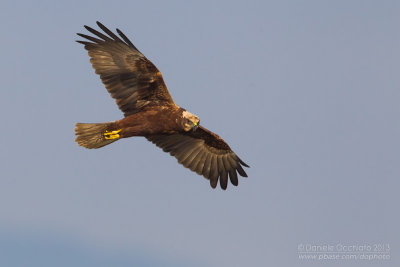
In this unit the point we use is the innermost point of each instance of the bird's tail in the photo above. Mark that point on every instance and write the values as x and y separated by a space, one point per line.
95 135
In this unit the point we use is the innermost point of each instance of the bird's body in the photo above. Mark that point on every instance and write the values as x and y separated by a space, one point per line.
157 120
141 94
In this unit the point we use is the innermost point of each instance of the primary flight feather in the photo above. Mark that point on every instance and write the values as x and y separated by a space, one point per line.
141 94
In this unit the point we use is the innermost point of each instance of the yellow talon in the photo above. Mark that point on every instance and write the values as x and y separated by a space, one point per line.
117 131
112 134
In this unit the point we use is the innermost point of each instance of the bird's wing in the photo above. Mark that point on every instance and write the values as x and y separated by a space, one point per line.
130 78
205 153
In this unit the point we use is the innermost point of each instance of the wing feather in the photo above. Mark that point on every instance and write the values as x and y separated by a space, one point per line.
227 165
98 34
180 148
204 153
233 177
241 171
223 180
189 160
214 171
106 30
207 166
230 167
198 162
126 39
185 158
130 78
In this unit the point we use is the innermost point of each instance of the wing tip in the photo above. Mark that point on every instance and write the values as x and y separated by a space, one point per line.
87 27
83 42
108 32
126 39
243 163
213 183
241 171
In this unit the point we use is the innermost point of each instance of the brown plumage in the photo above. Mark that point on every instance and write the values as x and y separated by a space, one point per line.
141 94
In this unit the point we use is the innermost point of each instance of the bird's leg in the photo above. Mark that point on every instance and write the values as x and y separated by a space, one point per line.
112 134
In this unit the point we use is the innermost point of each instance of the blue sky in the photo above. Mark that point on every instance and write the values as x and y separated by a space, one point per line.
304 92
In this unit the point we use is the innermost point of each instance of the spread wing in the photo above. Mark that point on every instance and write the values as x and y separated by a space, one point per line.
205 153
131 79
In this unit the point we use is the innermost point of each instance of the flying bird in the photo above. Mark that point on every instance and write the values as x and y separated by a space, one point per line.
149 111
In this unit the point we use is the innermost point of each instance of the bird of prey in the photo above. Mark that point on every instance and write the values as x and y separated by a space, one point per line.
149 111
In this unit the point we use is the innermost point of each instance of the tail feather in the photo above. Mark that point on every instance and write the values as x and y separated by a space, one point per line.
91 135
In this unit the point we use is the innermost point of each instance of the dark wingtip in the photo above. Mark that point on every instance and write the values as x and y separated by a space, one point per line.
80 34
213 184
241 171
82 42
242 162
223 180
90 29
233 177
126 39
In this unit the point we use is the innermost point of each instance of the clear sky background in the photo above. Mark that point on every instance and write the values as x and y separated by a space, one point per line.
306 92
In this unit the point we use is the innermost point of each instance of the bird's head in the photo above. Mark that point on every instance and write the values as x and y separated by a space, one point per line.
189 121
